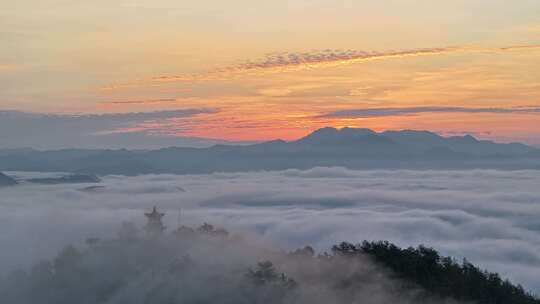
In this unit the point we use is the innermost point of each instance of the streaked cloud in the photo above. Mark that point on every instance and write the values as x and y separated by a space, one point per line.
378 112
294 61
139 101
107 117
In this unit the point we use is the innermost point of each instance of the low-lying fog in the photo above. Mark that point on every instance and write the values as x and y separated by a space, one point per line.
490 217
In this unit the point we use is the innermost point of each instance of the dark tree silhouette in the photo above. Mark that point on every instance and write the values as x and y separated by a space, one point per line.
195 266
441 275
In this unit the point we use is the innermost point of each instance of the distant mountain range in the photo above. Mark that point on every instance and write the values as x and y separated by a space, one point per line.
67 179
347 147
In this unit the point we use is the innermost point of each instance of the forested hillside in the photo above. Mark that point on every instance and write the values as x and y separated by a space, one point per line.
208 265
440 275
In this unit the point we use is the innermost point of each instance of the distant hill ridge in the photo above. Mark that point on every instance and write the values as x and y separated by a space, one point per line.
6 180
347 147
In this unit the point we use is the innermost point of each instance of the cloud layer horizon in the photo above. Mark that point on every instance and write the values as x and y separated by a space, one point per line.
488 216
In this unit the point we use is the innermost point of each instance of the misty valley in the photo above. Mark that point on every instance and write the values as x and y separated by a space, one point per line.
207 265
321 235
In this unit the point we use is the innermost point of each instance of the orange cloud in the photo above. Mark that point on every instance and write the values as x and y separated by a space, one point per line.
380 112
142 101
296 61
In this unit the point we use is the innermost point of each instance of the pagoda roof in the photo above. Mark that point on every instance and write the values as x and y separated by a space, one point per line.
154 213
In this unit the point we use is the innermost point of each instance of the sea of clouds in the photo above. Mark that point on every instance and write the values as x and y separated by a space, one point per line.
490 217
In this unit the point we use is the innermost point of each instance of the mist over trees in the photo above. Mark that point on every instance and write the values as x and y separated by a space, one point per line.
441 275
210 265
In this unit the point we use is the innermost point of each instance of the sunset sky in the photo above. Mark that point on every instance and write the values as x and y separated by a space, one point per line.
259 70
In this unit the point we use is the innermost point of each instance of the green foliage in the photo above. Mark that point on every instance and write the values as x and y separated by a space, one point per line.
441 275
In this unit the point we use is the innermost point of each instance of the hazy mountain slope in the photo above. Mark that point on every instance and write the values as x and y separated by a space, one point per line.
347 147
6 180
425 140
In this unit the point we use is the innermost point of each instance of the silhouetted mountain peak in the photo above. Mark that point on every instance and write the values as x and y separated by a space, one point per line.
344 136
417 134
464 139
356 131
326 131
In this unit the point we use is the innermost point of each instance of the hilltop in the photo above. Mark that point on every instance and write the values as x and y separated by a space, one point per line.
6 180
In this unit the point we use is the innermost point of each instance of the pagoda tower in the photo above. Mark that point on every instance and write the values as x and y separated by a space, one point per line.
154 226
